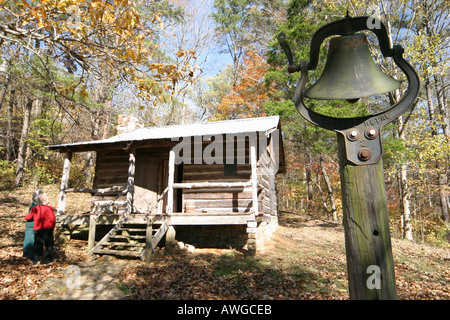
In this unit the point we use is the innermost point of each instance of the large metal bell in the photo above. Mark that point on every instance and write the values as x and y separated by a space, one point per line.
350 72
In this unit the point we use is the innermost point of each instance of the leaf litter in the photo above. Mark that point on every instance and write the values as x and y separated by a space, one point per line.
304 260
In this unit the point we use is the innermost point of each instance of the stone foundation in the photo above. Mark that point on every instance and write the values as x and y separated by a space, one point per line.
252 236
259 234
219 236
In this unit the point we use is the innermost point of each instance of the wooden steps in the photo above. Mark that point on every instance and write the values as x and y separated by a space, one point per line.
125 239
118 253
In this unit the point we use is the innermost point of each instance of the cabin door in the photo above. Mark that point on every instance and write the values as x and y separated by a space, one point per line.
146 183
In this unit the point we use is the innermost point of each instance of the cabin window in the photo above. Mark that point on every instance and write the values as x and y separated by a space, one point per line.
230 169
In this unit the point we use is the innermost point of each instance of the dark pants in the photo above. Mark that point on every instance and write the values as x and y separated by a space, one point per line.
41 238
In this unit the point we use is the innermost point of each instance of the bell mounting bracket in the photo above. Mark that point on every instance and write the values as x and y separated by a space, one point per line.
362 135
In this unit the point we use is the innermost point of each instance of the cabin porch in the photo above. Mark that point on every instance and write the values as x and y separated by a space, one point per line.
205 230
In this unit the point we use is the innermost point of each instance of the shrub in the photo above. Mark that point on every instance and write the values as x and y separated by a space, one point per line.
7 174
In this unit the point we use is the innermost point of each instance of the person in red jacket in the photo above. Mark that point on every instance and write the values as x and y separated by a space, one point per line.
44 224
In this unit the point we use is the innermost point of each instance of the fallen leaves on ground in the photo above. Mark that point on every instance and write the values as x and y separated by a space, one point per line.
206 276
305 261
19 279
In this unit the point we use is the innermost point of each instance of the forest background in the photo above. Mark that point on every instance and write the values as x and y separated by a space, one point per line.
69 68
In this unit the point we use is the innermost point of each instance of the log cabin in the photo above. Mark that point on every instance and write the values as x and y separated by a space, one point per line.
208 184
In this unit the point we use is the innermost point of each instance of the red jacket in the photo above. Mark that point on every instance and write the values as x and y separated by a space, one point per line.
43 217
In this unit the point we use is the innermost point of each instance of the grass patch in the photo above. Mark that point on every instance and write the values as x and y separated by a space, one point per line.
230 264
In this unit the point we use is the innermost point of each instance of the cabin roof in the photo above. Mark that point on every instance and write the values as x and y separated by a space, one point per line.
183 130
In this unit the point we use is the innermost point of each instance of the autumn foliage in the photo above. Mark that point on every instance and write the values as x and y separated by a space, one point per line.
248 94
103 39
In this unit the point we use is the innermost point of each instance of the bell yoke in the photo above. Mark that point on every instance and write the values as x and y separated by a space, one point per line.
350 74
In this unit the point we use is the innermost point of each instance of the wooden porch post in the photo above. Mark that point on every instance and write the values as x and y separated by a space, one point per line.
130 191
170 182
148 241
91 237
64 184
254 178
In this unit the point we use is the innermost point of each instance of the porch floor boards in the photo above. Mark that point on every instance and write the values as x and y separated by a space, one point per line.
231 218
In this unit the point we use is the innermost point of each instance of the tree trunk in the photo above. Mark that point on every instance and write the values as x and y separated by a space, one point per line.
405 192
308 177
23 141
329 189
90 158
443 196
442 104
101 118
443 176
431 109
108 104
9 126
406 205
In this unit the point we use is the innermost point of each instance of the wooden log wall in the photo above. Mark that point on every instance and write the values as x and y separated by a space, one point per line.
216 199
111 170
211 200
267 197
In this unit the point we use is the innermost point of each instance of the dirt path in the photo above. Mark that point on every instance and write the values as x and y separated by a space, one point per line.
94 280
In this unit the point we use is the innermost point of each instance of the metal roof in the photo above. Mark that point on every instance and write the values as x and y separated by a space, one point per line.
185 130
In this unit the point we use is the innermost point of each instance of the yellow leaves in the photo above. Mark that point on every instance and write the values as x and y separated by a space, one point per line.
83 93
69 91
181 53
123 3
100 30
96 4
249 92
157 19
428 149
163 70
108 18
25 4
66 90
